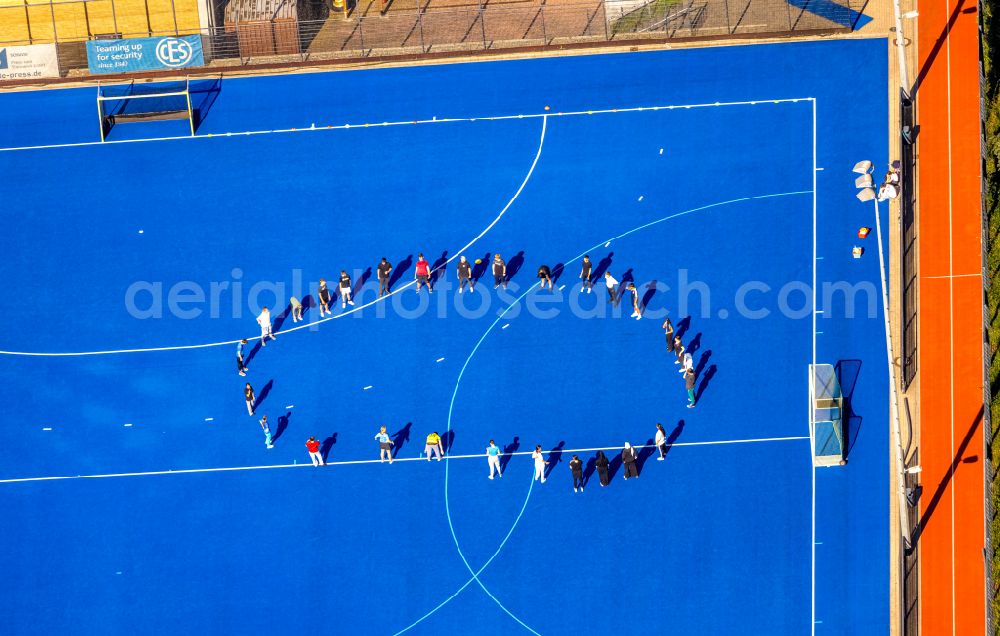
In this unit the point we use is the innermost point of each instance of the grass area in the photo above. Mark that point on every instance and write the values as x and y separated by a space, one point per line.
648 15
991 94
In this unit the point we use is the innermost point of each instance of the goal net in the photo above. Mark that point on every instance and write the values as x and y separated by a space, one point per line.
826 415
133 102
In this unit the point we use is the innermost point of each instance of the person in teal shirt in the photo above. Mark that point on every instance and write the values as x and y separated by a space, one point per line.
493 457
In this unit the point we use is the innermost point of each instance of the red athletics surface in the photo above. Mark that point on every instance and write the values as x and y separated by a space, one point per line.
950 320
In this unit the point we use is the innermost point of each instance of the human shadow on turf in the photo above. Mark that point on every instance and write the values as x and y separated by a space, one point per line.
557 273
674 435
847 374
694 345
602 266
514 265
615 464
681 327
399 438
327 446
588 469
478 269
644 454
648 296
704 380
508 452
282 426
555 456
365 275
438 268
447 441
263 395
400 269
280 320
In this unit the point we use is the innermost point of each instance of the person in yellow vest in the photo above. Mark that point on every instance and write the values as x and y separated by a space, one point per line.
433 445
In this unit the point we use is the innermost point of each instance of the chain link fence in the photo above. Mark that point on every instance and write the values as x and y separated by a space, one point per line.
371 30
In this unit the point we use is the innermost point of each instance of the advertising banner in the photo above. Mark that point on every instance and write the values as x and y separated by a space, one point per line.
144 54
28 62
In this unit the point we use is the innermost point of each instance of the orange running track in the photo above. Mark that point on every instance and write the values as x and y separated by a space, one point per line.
951 532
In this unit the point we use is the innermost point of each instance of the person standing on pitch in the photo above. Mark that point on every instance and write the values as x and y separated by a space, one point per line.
585 271
539 464
661 442
610 281
312 445
345 290
464 271
628 459
264 320
545 276
250 397
267 432
635 300
689 379
384 269
678 350
433 445
324 298
296 309
499 272
576 466
384 444
422 273
687 363
493 457
602 464
668 330
242 368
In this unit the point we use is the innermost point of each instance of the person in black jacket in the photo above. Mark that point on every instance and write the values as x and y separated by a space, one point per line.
602 467
628 458
576 466
545 276
384 269
585 270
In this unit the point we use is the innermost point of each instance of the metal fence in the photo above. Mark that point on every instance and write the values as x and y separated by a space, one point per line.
908 244
425 30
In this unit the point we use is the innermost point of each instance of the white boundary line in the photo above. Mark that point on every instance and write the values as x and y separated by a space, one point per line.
812 441
435 120
352 462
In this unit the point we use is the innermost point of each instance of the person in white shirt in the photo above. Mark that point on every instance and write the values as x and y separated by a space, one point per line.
687 363
264 320
661 441
539 464
610 281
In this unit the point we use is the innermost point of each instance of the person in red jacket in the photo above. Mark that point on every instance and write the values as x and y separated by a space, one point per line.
313 446
423 273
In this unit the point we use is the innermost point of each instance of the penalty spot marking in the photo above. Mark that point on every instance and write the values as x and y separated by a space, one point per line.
439 360
367 387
